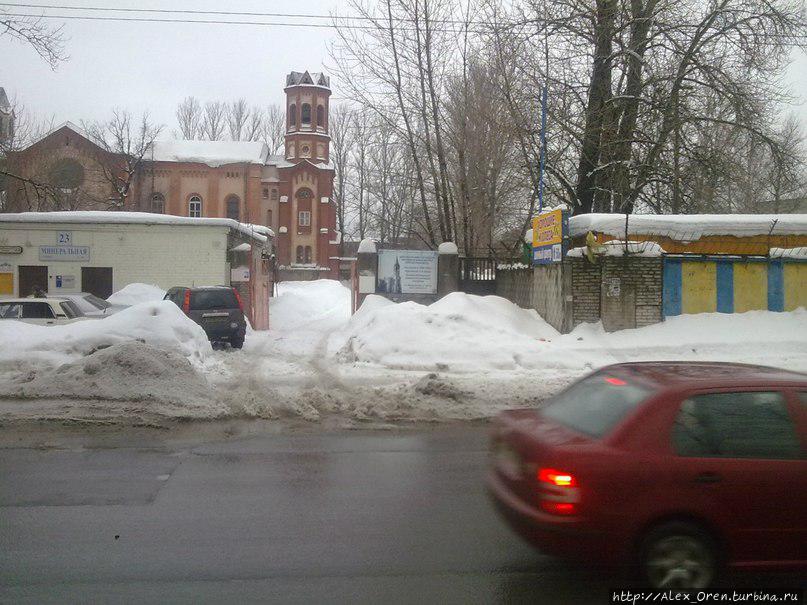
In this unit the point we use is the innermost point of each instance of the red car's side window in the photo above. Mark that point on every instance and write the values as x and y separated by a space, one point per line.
750 424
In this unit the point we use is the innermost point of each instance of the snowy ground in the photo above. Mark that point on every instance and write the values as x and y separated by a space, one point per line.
464 357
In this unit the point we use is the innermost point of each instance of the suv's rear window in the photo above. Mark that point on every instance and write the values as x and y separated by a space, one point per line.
596 404
213 299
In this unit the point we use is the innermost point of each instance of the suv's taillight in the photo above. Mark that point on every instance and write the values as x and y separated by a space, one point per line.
186 304
238 298
559 492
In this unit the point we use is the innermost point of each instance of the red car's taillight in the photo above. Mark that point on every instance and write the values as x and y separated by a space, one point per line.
238 298
559 492
186 304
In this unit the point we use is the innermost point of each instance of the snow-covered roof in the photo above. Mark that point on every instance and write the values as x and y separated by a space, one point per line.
800 252
211 153
689 226
85 217
617 248
447 248
367 245
305 78
77 129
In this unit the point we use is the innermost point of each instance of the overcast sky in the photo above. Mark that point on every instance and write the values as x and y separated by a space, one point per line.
153 66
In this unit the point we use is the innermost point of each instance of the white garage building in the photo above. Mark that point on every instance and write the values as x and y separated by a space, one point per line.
101 252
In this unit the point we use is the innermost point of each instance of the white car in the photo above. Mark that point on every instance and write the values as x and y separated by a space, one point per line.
90 305
41 311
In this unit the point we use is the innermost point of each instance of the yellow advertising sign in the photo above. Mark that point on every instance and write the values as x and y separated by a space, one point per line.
547 228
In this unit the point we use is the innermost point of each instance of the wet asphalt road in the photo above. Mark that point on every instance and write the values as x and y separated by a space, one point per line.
344 517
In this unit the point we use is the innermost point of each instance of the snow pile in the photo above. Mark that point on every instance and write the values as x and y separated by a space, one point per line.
617 248
134 294
128 371
160 324
459 332
690 226
309 305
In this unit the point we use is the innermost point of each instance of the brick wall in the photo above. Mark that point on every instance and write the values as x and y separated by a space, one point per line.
586 289
516 286
631 292
551 293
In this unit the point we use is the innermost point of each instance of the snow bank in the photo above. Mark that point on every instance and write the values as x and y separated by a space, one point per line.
160 324
690 226
134 294
459 332
313 304
127 371
465 333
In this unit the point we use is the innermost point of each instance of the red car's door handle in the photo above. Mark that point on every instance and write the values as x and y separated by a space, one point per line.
707 478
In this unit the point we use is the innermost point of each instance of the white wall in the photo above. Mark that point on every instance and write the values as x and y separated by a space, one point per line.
164 255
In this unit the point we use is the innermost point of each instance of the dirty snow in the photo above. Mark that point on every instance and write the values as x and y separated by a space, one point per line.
134 294
463 357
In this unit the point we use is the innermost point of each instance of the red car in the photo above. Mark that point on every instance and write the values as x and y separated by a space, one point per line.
677 467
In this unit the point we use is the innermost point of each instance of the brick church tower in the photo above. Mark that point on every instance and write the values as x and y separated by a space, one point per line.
307 237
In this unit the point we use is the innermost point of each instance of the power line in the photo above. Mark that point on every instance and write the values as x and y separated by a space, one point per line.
230 13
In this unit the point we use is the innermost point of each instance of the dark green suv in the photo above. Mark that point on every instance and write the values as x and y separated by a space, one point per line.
218 309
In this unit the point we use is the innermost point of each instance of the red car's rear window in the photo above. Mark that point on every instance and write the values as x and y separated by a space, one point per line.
596 404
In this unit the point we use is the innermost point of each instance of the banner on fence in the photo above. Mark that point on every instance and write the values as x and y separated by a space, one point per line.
548 231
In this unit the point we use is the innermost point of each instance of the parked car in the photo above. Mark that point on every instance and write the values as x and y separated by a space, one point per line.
41 311
91 305
218 309
675 468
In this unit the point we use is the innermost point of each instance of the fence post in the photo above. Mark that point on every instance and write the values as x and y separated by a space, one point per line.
448 269
367 268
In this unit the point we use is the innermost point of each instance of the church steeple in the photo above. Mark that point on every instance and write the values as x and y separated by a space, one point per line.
307 103
6 118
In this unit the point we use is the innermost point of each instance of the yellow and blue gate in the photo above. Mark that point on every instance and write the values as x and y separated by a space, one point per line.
732 285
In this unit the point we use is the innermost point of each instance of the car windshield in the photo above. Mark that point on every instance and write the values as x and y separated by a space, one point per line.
595 404
98 303
86 305
213 299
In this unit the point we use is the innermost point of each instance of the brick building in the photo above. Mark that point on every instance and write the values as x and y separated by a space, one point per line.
290 193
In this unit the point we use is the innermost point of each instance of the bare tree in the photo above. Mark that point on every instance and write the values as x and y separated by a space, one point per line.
189 118
253 128
341 131
237 119
124 146
48 42
214 120
274 128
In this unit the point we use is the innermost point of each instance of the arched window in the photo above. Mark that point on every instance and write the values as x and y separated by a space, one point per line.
292 115
320 116
195 206
158 203
308 254
305 118
300 254
233 208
